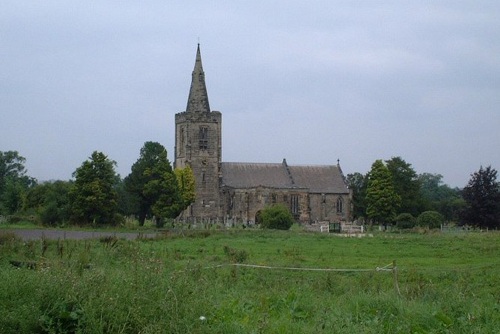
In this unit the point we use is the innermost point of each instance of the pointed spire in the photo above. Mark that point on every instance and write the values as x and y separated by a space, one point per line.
198 96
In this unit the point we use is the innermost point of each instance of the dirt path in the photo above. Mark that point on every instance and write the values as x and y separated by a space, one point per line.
35 234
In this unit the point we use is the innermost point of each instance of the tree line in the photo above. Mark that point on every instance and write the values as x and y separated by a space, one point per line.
97 195
392 193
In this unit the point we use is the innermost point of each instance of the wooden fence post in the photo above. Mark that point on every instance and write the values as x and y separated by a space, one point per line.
395 273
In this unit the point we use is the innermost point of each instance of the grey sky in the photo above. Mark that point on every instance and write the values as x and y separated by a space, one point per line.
309 81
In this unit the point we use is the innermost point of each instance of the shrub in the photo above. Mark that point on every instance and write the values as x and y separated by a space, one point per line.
8 237
235 255
50 215
276 217
405 221
430 219
64 317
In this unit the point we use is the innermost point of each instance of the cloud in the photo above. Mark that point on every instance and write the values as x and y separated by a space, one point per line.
310 82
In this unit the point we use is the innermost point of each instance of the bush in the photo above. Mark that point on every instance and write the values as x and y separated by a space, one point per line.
7 237
276 217
405 221
235 255
430 219
50 214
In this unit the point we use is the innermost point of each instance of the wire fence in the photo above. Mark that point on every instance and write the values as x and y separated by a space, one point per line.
388 267
391 267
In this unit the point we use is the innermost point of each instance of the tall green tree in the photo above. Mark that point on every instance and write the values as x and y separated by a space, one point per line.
13 182
186 183
358 182
127 202
12 196
437 196
381 198
406 185
482 197
163 189
93 196
50 200
153 184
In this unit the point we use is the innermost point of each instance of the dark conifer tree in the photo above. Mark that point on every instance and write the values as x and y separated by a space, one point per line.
482 197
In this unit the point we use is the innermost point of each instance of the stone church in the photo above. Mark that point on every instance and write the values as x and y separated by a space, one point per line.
235 192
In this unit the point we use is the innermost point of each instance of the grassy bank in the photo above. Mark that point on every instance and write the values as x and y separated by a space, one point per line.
447 283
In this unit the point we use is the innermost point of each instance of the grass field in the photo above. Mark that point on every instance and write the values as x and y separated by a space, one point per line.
190 283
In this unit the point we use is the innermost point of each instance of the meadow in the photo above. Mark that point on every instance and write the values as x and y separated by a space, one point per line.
202 282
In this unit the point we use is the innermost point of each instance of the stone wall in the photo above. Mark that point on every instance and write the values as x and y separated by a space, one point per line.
198 145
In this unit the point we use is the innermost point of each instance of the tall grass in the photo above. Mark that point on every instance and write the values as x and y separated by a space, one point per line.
447 284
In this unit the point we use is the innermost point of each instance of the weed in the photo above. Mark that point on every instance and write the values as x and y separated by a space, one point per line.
109 241
448 284
235 255
7 238
63 317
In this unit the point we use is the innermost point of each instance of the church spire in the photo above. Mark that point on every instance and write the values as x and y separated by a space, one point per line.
198 97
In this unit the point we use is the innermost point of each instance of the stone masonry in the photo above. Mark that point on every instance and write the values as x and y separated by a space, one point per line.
236 192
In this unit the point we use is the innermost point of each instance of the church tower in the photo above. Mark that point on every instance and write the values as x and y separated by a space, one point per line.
198 144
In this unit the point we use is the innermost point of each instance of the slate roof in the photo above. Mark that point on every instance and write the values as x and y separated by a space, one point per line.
250 175
318 179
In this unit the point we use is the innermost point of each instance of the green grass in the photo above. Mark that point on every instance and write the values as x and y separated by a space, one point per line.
24 224
447 284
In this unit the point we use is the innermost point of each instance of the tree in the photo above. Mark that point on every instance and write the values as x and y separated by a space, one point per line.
153 184
406 185
437 196
357 182
276 217
405 221
13 182
482 197
430 219
50 200
168 202
381 198
186 183
93 196
127 202
12 196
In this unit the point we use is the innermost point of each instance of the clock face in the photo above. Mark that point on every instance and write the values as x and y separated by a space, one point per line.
204 162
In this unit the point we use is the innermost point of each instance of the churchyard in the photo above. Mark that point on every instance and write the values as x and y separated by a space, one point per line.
252 281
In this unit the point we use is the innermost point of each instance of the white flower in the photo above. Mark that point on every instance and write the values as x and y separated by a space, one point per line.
202 318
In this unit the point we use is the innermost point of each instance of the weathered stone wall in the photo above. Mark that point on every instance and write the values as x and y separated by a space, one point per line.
243 205
324 207
201 150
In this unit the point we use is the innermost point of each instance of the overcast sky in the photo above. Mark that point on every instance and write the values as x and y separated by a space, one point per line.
309 81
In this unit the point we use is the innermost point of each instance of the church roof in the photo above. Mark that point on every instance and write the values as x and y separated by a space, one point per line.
320 179
198 96
250 175
317 179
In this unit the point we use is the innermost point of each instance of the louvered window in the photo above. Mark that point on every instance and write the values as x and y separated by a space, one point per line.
203 138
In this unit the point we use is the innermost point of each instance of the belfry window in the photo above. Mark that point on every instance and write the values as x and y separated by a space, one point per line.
340 205
203 135
294 204
181 140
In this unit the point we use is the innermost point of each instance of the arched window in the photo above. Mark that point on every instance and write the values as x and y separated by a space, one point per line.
340 205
